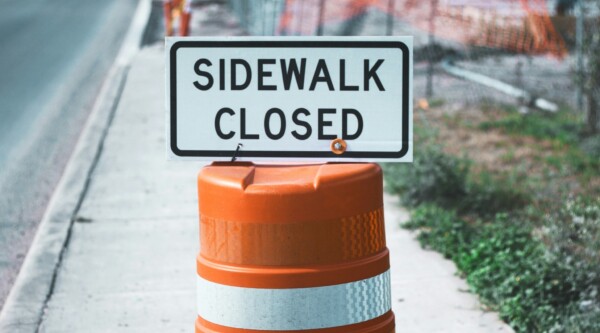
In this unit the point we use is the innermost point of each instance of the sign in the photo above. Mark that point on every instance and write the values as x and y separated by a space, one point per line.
289 98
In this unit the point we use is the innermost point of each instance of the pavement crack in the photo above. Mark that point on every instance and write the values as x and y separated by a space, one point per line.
82 219
121 80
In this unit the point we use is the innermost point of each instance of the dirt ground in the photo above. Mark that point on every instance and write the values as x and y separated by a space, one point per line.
523 158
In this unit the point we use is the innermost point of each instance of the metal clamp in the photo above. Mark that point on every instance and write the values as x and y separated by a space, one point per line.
235 153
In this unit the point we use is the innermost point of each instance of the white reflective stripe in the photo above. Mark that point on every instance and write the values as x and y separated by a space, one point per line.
294 309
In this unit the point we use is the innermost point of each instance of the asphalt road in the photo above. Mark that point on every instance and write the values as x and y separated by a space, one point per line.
54 56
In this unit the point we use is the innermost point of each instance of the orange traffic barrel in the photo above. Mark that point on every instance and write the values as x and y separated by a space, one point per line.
294 248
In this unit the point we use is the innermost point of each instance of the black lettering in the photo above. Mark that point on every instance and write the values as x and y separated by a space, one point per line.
359 119
302 123
202 73
317 77
372 74
262 74
234 84
268 124
243 127
343 86
292 69
218 124
222 74
322 123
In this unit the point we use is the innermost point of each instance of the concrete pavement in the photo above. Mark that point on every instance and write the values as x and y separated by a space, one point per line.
53 60
128 262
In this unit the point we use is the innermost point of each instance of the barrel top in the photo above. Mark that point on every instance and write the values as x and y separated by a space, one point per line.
289 193
257 177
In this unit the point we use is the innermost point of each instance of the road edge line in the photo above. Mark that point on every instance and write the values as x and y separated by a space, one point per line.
25 305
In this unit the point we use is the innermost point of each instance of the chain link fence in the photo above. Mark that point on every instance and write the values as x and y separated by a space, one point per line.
530 45
258 17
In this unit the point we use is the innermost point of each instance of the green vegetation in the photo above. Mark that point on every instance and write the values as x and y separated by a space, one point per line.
435 177
534 288
529 253
562 129
436 103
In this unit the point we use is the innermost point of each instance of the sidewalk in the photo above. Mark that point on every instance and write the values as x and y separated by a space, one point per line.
129 264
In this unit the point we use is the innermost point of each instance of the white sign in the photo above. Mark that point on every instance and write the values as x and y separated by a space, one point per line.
286 98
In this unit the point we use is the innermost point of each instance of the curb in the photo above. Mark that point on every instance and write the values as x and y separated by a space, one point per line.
25 306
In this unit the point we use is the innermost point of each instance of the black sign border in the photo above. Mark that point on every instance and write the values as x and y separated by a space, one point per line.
292 44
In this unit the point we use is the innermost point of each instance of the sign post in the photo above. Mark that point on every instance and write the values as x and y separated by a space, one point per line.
280 98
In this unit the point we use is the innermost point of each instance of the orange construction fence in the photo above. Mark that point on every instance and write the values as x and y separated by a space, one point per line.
522 26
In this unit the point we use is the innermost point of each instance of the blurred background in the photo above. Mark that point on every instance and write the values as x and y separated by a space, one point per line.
542 47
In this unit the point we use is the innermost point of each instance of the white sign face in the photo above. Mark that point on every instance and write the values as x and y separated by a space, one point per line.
286 98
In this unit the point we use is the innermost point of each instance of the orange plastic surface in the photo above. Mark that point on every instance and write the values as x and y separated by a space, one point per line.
293 243
289 194
292 226
285 277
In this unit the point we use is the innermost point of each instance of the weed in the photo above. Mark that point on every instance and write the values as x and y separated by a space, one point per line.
435 177
435 103
537 265
533 289
561 127
509 155
562 130
432 177
488 194
591 146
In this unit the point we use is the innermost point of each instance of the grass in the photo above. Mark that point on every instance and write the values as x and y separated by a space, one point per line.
537 284
435 103
533 289
561 127
530 251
